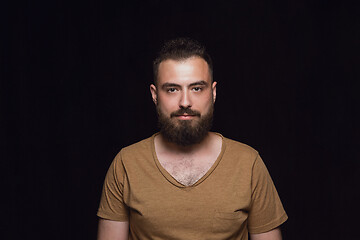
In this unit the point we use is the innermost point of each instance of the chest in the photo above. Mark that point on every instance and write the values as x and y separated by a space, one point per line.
215 209
187 170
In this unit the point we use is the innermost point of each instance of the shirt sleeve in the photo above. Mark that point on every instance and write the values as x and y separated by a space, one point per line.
266 211
112 206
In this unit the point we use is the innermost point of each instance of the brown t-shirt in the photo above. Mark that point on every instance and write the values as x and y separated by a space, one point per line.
234 197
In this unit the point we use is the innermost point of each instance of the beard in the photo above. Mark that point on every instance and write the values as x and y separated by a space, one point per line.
185 132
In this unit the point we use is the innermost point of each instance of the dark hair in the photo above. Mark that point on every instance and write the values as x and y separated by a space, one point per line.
181 49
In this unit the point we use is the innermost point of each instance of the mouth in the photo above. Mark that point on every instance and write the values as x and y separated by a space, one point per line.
185 116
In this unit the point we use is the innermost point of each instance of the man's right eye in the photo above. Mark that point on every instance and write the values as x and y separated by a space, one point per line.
171 90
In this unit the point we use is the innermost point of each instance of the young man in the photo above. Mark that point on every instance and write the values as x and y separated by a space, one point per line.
187 182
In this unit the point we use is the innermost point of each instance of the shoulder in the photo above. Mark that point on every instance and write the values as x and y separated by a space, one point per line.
137 151
239 147
239 151
143 145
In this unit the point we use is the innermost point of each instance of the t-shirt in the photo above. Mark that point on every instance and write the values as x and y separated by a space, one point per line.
234 197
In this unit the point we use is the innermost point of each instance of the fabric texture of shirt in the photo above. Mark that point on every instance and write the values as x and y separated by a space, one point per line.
234 197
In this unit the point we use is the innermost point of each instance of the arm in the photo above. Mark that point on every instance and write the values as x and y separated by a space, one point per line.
274 234
266 213
112 230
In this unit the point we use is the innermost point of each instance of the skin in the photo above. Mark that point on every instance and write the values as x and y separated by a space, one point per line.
274 234
113 230
181 84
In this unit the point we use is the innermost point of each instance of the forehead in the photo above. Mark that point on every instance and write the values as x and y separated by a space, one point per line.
183 71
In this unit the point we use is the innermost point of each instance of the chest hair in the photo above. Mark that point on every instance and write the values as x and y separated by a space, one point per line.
186 170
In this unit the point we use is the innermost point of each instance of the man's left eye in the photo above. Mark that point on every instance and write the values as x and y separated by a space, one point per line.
197 89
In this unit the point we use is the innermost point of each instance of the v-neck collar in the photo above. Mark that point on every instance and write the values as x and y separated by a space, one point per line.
171 179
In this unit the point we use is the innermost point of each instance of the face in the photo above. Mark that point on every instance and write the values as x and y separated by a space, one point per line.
184 97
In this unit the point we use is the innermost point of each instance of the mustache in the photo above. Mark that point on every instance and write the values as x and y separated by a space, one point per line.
183 111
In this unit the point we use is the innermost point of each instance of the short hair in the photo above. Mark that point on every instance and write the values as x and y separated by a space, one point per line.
181 49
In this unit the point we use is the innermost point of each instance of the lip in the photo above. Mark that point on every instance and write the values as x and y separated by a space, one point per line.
185 117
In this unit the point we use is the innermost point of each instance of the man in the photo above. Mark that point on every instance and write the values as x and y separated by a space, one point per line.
186 182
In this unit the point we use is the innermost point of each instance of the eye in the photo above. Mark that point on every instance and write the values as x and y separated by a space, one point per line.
197 89
171 90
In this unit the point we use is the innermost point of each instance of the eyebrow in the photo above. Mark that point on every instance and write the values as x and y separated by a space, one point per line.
202 82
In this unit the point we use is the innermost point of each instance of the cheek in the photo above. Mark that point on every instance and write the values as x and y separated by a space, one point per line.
205 101
167 105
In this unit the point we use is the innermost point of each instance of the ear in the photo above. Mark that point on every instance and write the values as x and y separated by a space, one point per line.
213 86
153 93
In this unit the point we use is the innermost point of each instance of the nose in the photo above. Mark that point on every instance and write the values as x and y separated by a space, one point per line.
185 101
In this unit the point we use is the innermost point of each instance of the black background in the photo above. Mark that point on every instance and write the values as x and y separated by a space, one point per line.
74 90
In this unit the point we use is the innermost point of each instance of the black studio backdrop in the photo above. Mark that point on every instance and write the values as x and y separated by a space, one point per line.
74 90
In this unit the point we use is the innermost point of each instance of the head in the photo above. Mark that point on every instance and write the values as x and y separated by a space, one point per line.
180 49
184 92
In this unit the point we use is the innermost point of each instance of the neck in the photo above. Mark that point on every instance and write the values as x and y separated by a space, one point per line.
189 149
